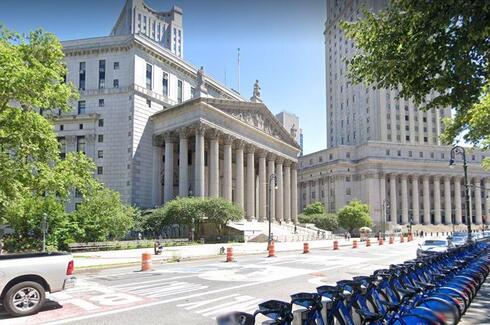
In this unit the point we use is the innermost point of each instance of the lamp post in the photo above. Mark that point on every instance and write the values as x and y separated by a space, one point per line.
272 186
455 151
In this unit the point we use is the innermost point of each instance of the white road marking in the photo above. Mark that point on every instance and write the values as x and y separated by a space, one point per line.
194 305
151 281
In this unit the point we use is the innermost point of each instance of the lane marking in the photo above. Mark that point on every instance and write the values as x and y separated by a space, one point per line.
151 281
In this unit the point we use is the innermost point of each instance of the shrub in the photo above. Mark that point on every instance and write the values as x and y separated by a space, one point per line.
354 216
314 208
323 221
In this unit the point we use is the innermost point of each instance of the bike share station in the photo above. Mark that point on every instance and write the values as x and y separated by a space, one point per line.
434 289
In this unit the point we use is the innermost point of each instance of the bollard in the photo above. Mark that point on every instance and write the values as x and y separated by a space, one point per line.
354 244
146 264
335 245
229 254
380 242
272 251
306 248
391 240
401 239
368 242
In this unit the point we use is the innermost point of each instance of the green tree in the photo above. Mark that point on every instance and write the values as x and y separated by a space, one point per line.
323 221
314 208
101 216
424 48
354 216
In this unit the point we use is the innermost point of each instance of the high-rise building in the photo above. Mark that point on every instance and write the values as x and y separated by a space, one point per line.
382 149
291 123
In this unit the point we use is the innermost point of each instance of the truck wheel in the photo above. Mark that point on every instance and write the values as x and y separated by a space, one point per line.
25 298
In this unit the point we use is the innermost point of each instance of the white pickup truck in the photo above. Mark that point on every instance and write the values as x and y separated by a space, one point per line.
25 279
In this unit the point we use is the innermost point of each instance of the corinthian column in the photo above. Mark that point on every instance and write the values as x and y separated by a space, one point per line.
271 191
239 174
393 195
214 164
157 169
199 163
437 200
404 199
287 191
478 211
415 199
294 193
168 179
457 200
262 186
280 192
447 200
250 182
183 163
227 168
425 184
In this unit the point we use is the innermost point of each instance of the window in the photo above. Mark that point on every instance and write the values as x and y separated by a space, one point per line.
165 84
100 170
101 74
80 126
81 76
100 153
180 90
148 103
407 137
81 107
348 191
81 144
347 155
101 122
62 127
115 83
399 153
149 73
387 152
62 142
101 103
100 138
432 155
421 154
78 193
424 119
116 65
410 153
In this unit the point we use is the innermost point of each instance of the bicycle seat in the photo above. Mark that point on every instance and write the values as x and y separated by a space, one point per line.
369 316
276 309
236 318
331 292
307 300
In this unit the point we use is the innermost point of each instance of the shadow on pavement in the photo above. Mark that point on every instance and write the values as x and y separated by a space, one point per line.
478 313
48 306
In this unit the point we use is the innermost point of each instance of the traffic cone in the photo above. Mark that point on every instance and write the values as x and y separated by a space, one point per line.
354 244
335 245
229 254
402 240
272 251
380 242
146 264
391 240
368 242
306 248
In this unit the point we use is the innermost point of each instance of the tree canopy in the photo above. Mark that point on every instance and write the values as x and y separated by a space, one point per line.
327 221
354 216
314 208
435 52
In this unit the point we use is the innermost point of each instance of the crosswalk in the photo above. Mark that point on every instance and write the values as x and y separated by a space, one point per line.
214 307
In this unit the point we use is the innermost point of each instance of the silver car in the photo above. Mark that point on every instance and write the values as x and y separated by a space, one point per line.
433 246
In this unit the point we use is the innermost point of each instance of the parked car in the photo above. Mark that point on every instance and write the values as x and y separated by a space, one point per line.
433 246
25 279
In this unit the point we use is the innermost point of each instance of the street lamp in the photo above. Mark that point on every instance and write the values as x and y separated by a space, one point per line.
460 150
272 186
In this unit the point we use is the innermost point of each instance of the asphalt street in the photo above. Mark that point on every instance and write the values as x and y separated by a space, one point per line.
196 292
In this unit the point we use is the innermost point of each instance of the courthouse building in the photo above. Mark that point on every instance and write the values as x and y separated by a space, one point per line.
384 150
158 128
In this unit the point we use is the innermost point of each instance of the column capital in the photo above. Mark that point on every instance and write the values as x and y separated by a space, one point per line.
239 144
414 177
157 140
279 160
287 163
271 157
294 165
261 153
404 176
199 128
250 148
184 132
214 134
169 137
228 139
436 177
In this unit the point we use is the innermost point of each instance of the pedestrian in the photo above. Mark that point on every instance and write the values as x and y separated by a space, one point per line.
348 236
139 236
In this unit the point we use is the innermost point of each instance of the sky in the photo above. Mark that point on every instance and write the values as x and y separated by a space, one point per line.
281 44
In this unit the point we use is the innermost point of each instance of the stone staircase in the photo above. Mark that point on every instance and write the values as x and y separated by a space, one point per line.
255 231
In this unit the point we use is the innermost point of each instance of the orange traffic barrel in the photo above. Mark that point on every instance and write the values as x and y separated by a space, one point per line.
272 251
391 240
306 248
401 239
146 264
229 254
354 244
380 241
335 245
368 242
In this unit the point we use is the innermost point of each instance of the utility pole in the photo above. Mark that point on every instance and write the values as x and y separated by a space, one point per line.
460 150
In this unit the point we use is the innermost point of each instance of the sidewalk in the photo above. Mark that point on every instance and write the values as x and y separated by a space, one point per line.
178 253
478 312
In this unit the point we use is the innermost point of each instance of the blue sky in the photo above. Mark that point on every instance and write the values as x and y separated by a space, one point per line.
281 44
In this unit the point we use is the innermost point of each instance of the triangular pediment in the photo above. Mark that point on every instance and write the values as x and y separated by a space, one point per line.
256 115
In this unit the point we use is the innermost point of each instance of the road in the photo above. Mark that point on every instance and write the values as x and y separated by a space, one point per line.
196 292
